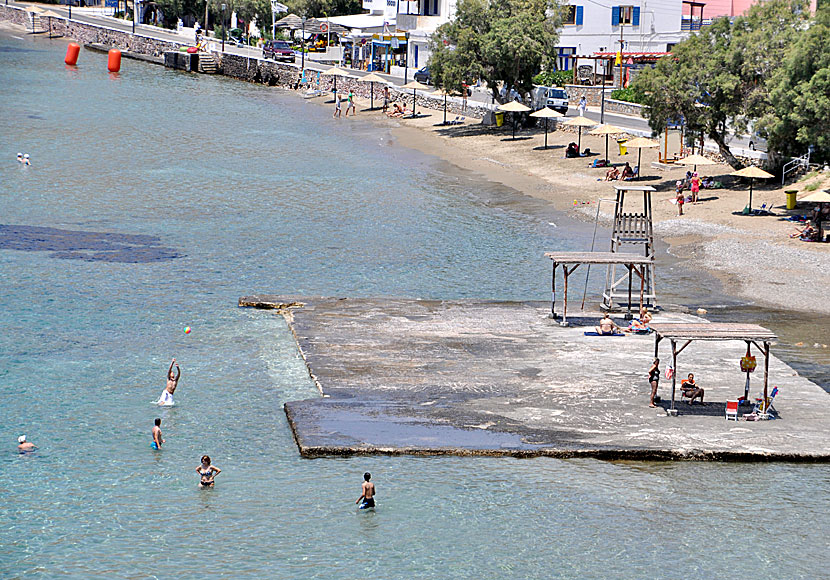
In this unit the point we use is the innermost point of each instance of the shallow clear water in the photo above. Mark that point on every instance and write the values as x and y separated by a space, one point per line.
256 190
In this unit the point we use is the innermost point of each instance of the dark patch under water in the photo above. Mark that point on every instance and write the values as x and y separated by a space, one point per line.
17 49
82 245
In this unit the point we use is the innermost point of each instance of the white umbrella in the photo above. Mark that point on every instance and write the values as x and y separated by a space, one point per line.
752 172
607 130
580 122
415 86
513 107
546 113
639 144
372 78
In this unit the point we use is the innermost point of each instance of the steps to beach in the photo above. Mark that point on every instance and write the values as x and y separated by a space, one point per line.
33 24
207 64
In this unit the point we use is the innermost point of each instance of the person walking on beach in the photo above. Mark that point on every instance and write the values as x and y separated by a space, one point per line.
350 104
166 398
583 104
385 98
207 472
654 379
337 109
157 440
24 446
367 497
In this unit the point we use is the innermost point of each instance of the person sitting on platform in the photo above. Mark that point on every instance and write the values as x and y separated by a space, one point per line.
640 325
691 390
606 327
612 174
397 110
627 172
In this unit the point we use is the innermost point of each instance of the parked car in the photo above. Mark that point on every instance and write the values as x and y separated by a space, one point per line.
553 97
278 50
422 76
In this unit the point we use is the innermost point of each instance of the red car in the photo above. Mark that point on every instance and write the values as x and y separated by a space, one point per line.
278 50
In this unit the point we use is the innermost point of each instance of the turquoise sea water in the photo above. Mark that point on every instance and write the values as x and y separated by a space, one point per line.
216 189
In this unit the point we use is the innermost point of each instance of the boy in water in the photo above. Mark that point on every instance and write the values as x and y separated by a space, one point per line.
166 398
157 440
24 446
367 498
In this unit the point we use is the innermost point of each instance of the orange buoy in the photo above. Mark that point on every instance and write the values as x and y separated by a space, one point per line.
114 60
72 52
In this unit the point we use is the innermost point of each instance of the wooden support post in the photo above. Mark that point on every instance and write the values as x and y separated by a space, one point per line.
657 339
746 387
565 308
553 291
642 285
674 373
630 267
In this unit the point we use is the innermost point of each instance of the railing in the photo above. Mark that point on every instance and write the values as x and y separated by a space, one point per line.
687 25
794 165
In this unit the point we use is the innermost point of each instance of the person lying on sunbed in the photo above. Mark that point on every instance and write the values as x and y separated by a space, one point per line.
691 390
606 327
640 325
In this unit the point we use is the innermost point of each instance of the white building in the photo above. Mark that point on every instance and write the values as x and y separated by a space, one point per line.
644 26
419 19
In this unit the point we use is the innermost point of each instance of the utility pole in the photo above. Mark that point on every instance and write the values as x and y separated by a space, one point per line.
621 50
223 27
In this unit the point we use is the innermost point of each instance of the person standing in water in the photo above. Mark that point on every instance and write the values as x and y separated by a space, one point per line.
207 472
24 446
157 440
166 398
367 498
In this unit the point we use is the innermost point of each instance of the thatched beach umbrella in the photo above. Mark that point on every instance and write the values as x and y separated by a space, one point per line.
639 144
415 86
372 78
445 94
580 122
696 160
752 173
336 72
818 197
513 107
607 130
546 113
50 15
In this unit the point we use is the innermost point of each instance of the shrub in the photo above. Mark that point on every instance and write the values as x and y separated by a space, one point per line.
554 78
630 95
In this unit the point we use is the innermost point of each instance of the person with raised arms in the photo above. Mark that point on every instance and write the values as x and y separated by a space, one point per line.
166 398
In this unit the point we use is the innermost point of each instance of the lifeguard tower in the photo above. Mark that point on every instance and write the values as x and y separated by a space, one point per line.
632 234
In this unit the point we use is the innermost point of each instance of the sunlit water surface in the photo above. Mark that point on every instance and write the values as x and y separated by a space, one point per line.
244 189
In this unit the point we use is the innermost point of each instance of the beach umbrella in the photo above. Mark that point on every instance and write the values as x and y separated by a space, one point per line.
696 160
50 15
336 72
607 130
445 94
639 144
290 21
817 197
580 122
752 173
513 107
372 78
546 113
415 86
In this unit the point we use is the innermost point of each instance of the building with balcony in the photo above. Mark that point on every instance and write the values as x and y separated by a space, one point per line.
419 19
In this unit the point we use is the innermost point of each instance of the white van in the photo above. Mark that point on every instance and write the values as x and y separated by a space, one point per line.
554 97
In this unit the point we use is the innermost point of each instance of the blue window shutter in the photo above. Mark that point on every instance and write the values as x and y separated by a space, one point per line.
635 19
615 16
579 15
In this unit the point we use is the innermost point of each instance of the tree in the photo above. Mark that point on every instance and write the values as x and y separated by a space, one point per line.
322 8
505 41
800 94
715 81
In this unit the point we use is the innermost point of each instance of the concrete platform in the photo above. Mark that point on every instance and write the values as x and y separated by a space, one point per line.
501 378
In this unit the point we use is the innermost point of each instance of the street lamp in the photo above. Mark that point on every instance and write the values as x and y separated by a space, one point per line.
125 4
302 47
224 6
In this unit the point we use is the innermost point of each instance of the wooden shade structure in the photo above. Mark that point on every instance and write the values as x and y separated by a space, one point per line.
752 173
607 130
513 107
372 78
570 261
817 197
639 144
752 334
336 72
50 15
546 113
445 94
415 86
696 160
580 122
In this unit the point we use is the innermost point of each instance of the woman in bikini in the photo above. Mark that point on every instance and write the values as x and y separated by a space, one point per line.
654 379
207 472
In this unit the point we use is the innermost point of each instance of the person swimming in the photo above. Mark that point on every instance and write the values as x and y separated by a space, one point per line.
157 440
166 398
26 159
367 498
20 158
207 472
24 446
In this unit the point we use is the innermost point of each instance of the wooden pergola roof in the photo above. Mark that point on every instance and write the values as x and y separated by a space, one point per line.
712 331
598 258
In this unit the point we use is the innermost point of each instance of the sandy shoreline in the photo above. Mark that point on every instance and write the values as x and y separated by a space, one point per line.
754 256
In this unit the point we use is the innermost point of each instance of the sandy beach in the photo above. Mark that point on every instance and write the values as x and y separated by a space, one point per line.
753 255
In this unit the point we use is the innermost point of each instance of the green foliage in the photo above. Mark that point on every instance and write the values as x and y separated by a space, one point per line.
322 8
631 94
554 78
799 94
504 41
716 80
